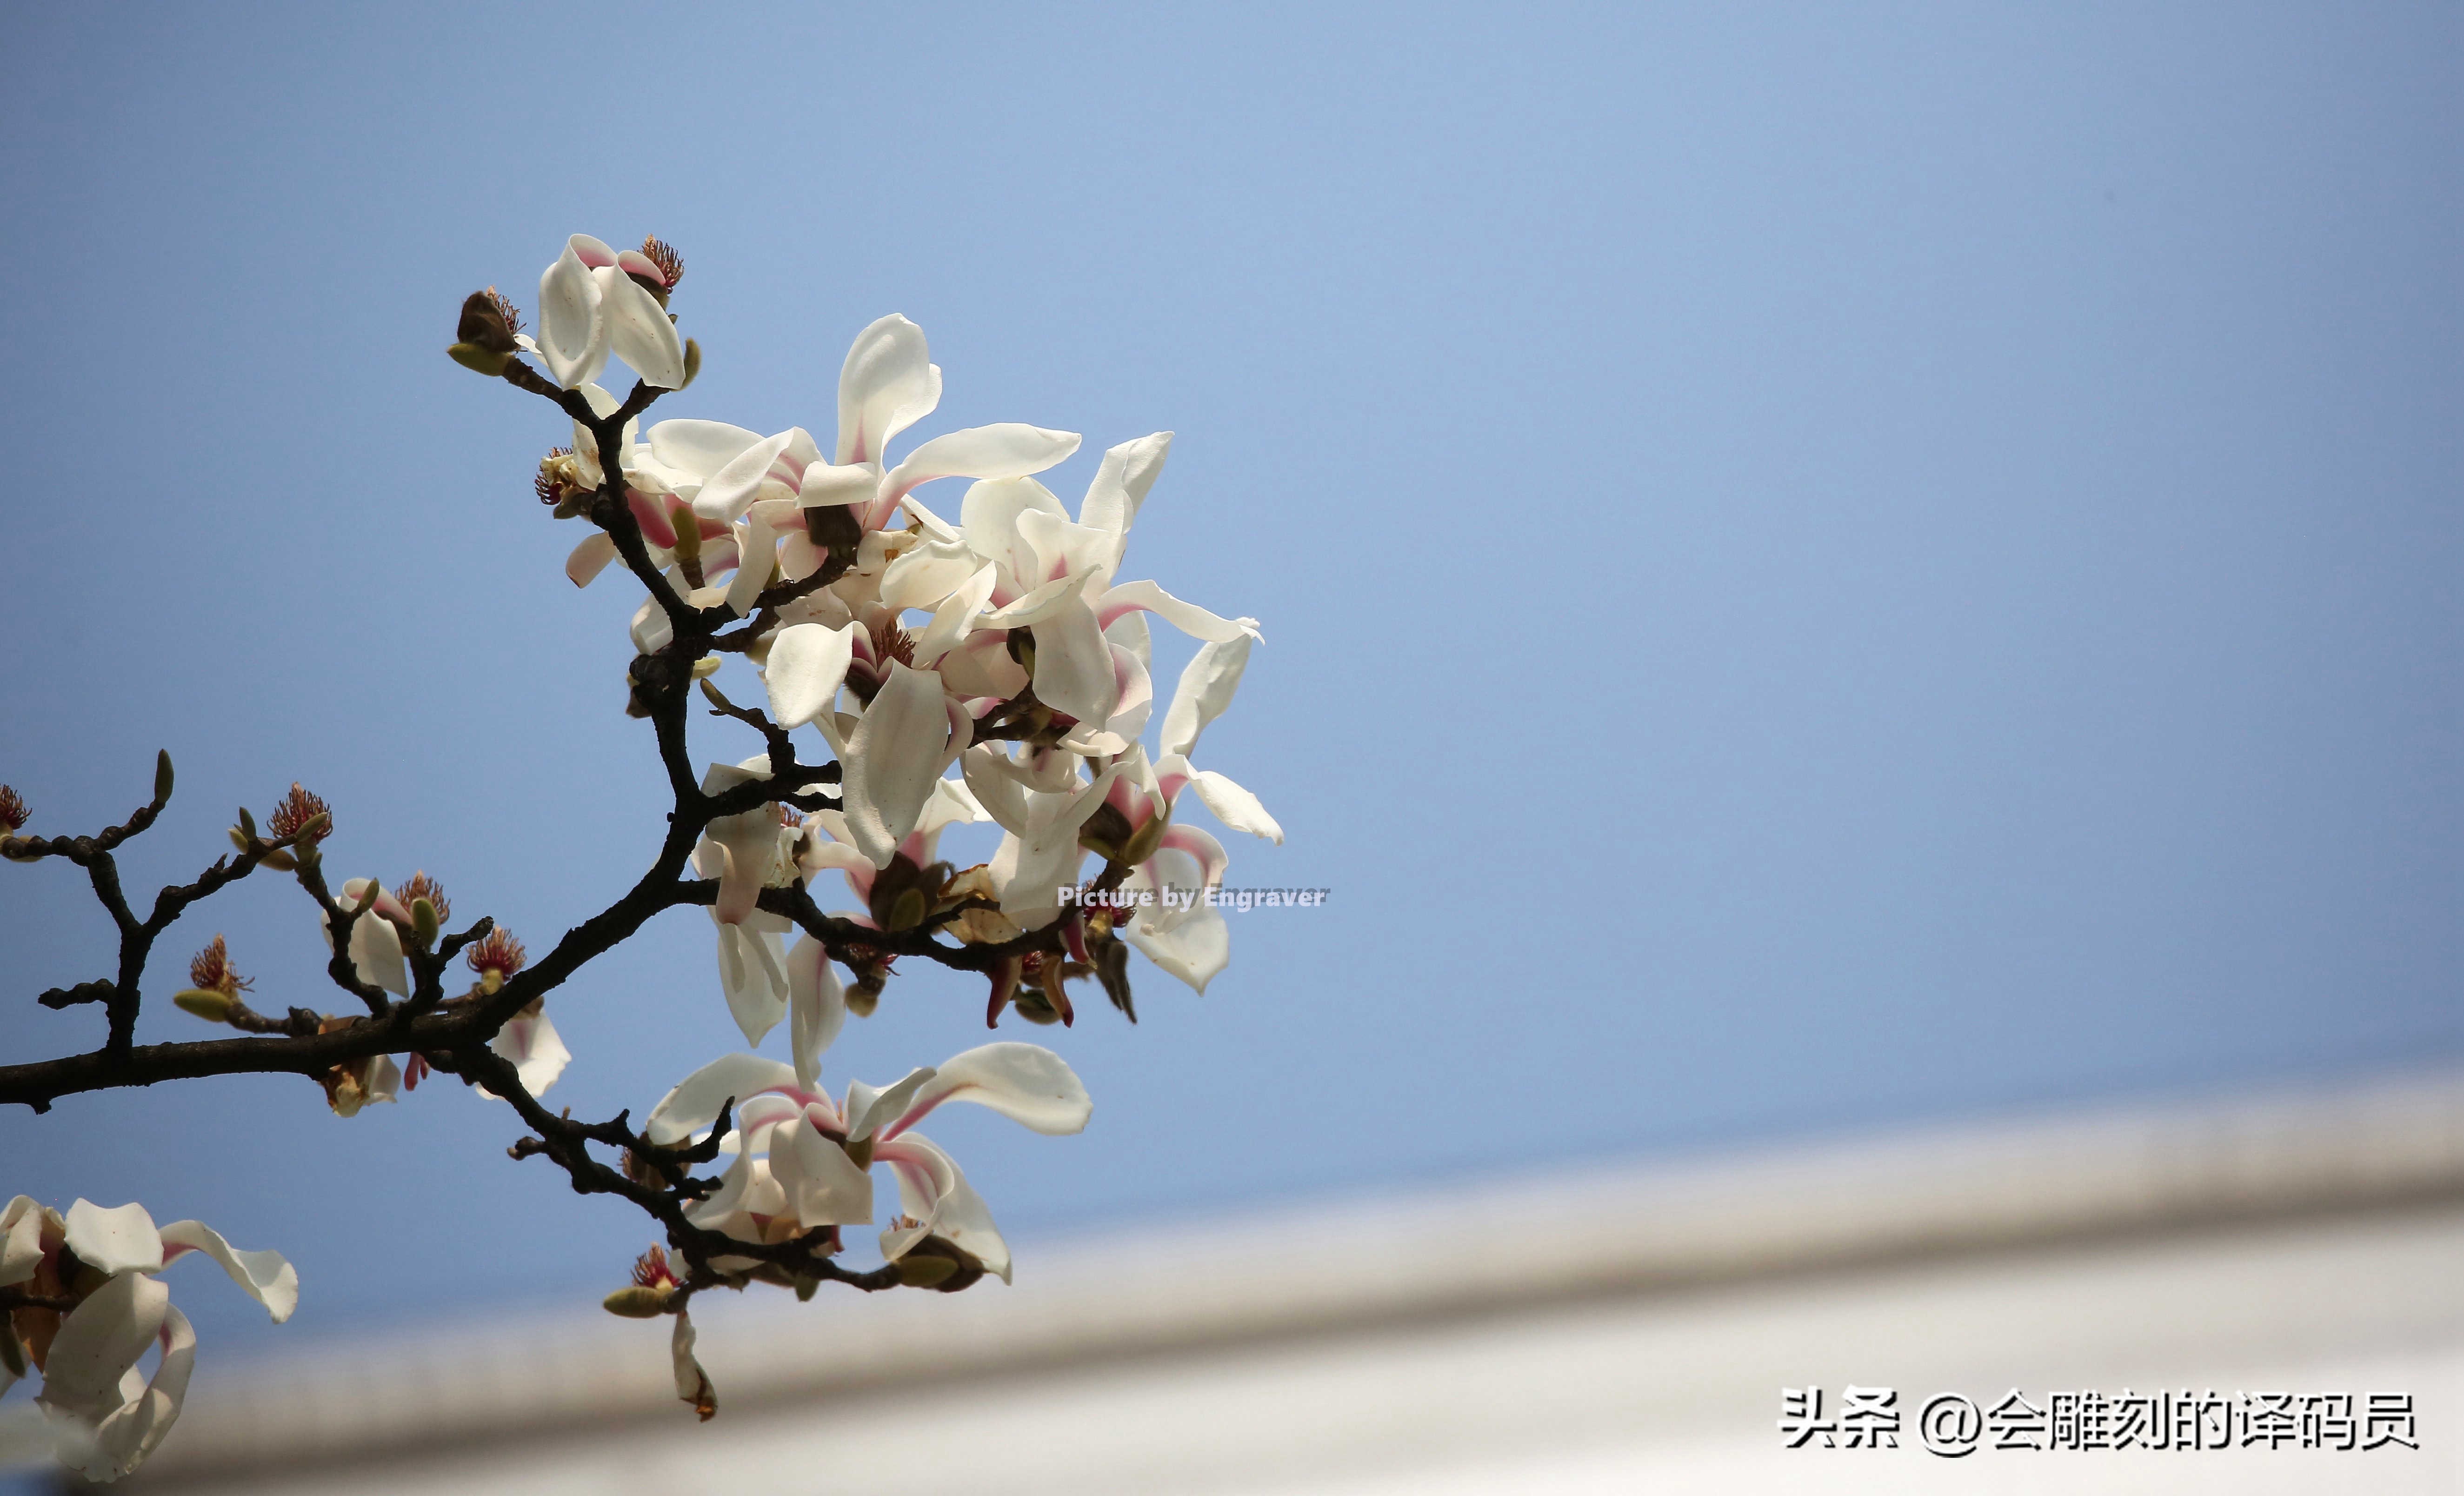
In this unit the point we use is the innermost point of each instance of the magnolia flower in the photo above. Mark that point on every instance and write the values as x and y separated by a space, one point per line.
104 1418
801 1158
747 852
887 383
1034 569
594 301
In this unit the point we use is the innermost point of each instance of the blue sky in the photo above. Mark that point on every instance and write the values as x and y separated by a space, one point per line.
1818 570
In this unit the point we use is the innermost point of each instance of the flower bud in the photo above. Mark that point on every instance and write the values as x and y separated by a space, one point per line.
162 778
687 546
636 1301
484 337
918 1271
424 923
215 1007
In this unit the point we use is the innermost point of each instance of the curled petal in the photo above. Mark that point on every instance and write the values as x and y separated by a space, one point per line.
537 1050
1121 484
1187 617
1006 450
573 331
21 1240
265 1276
1025 1083
1205 690
1235 807
697 449
692 1383
694 1104
932 1191
896 752
887 384
638 330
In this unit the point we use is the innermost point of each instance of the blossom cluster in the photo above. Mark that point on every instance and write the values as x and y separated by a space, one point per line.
918 671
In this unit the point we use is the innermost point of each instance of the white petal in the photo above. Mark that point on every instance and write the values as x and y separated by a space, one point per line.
752 974
887 384
1006 450
698 449
376 952
809 664
816 1003
1194 949
822 1185
537 1050
113 1240
924 575
867 1109
1235 807
590 557
265 1276
1121 483
21 1240
1063 549
955 618
692 1383
573 331
694 1104
1074 665
1025 1083
1130 632
638 330
1187 617
931 1188
901 746
1205 690
726 493
1133 694
758 544
99 1341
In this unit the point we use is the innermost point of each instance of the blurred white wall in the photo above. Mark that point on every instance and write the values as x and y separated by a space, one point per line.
1601 1331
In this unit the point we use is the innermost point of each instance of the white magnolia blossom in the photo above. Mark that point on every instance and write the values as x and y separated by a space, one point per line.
99 1413
802 1159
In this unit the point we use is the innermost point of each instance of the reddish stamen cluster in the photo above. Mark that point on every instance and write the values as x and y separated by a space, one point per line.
420 886
505 309
499 952
296 810
549 488
12 810
890 642
651 1271
658 252
212 971
788 815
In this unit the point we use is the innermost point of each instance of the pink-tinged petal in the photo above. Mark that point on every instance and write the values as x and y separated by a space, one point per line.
1187 617
694 1104
1006 450
113 1240
930 1177
264 1276
1132 694
1026 1083
887 384
536 1049
953 619
590 557
590 252
1062 549
867 1109
1208 852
